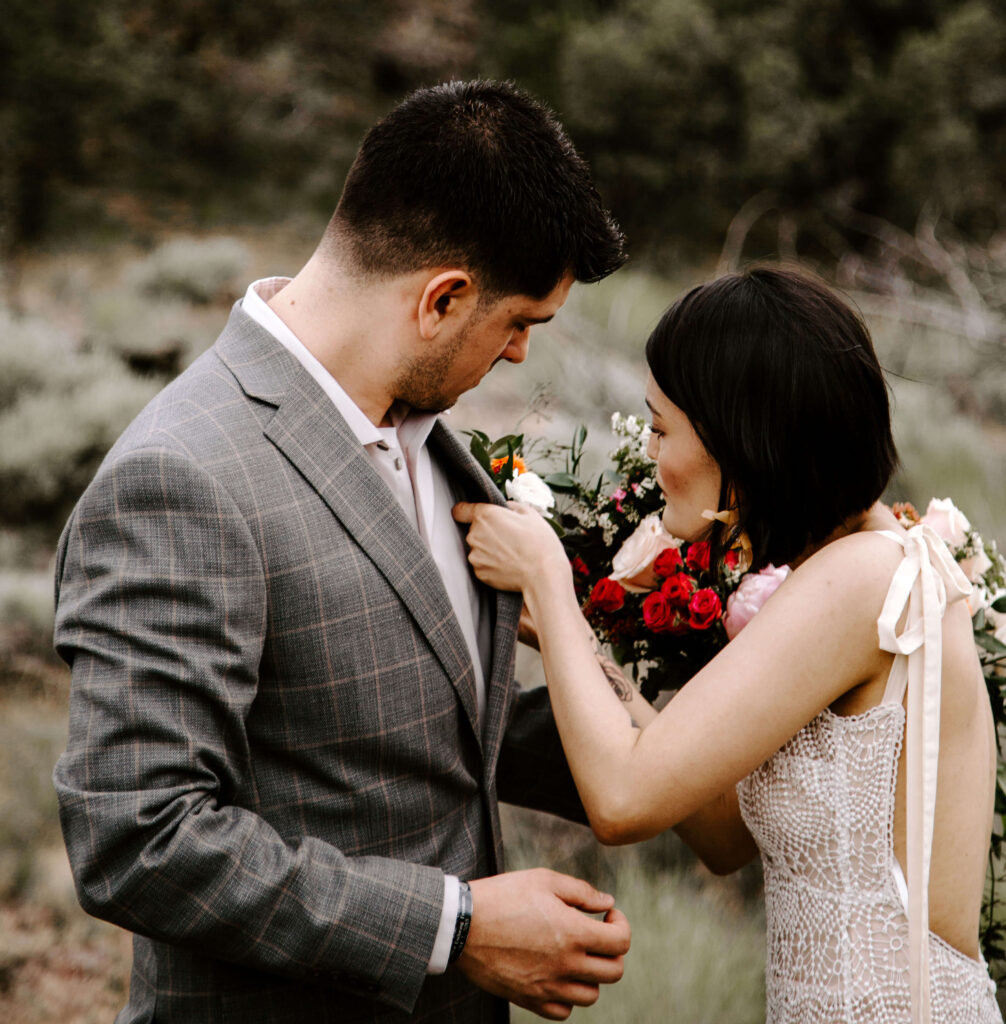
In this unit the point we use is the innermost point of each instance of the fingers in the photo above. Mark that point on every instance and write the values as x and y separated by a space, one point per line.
607 938
464 511
578 893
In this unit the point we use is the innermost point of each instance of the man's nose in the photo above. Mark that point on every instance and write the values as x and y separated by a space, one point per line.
516 350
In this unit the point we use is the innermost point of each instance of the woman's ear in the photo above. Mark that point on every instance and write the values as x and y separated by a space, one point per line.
446 296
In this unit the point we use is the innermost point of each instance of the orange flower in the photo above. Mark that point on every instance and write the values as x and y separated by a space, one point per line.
518 465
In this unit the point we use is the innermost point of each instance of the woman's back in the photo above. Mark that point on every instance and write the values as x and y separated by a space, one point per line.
828 813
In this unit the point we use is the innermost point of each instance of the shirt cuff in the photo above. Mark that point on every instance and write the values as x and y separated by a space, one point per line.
448 921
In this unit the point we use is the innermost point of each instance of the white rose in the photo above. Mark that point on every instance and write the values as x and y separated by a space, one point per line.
529 489
948 521
633 565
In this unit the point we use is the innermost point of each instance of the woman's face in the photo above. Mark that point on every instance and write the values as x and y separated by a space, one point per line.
687 474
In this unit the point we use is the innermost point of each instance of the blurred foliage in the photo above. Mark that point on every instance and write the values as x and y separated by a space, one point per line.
686 108
196 270
61 408
697 940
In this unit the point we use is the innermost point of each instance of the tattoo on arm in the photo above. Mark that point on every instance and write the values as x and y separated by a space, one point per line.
618 682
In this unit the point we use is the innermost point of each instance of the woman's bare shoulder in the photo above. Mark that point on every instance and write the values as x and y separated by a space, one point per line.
862 564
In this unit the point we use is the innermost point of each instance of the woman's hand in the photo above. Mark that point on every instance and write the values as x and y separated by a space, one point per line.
511 547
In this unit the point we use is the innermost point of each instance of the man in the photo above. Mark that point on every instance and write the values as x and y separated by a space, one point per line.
293 709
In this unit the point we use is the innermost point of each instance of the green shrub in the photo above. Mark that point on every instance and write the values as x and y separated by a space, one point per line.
946 454
60 411
26 599
197 270
150 335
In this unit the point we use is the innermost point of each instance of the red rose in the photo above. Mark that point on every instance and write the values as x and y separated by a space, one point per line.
607 596
668 562
579 566
704 609
658 614
698 556
731 559
677 589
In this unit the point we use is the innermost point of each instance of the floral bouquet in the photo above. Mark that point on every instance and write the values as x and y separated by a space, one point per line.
655 600
658 601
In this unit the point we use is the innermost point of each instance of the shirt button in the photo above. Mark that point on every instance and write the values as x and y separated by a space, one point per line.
398 462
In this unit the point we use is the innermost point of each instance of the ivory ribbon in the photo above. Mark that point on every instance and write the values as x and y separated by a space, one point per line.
927 580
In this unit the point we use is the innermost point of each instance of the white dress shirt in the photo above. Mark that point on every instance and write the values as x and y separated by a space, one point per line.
400 455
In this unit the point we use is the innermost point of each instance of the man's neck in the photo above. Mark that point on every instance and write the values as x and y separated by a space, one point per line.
336 318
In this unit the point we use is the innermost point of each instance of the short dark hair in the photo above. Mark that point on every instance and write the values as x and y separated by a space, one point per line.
481 175
780 380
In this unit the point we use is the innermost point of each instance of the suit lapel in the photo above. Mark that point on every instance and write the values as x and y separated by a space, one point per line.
460 464
312 435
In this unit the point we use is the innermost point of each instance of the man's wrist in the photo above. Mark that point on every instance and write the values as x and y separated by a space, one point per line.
463 922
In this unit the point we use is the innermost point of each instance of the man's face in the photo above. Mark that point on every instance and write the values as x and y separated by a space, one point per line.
491 333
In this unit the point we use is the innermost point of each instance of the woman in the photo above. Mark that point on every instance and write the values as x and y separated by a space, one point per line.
768 403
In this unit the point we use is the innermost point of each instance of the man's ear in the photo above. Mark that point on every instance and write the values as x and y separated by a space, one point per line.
446 295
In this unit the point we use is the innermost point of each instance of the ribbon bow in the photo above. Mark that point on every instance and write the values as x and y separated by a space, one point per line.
927 580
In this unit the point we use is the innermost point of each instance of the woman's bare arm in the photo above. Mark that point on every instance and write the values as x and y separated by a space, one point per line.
815 640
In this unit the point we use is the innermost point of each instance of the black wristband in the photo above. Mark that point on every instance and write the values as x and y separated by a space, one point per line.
464 921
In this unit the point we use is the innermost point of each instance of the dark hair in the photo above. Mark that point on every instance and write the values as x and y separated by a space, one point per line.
781 383
480 175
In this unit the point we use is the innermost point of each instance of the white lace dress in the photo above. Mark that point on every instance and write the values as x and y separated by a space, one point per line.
841 948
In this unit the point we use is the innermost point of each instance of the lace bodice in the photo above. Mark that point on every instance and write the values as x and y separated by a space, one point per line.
822 812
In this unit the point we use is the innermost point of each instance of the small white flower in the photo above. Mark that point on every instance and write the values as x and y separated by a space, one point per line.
976 564
529 489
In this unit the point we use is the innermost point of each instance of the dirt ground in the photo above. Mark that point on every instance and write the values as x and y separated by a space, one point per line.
60 966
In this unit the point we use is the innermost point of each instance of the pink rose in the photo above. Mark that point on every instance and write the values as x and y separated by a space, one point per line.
754 590
633 565
948 521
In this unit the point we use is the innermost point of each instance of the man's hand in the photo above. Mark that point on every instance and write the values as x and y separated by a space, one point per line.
533 942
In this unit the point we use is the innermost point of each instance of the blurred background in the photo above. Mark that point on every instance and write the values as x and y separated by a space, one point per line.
157 156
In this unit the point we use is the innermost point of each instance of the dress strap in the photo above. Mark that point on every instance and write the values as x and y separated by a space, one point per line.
926 581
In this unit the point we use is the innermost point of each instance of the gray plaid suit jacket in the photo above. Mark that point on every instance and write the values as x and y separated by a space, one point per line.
274 749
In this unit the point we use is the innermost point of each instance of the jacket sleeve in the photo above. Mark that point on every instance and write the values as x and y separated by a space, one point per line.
161 614
532 769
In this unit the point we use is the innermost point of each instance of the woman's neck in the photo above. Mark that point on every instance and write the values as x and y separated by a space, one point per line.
877 517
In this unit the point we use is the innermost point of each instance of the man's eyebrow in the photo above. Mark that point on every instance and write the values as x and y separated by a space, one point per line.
535 319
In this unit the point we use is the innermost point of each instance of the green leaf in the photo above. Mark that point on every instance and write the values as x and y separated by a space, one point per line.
999 604
990 643
565 483
509 444
479 453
